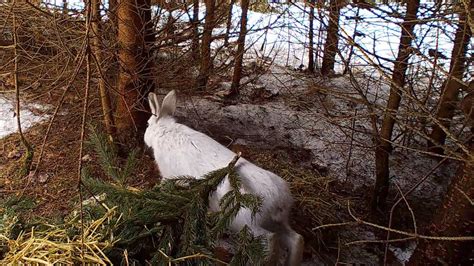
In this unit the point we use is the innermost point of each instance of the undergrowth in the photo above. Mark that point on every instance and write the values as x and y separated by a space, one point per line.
118 224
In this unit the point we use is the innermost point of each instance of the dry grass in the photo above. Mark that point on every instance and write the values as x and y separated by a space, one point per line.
54 244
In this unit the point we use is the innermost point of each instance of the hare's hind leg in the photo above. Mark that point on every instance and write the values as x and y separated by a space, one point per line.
283 238
273 245
274 254
294 242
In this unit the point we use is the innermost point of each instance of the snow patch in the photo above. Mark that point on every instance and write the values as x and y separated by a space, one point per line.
8 119
403 255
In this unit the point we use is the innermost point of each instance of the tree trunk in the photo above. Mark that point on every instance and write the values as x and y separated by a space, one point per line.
135 73
384 147
354 35
470 14
195 40
467 106
234 88
452 86
206 60
229 23
97 51
311 37
332 39
65 10
455 217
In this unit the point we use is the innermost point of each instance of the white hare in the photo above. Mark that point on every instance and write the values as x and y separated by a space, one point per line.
182 151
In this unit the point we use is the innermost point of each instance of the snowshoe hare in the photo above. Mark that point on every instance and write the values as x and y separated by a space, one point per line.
182 151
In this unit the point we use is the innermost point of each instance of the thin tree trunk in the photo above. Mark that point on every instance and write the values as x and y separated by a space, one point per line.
384 147
455 217
206 63
332 39
229 23
319 43
135 77
234 89
65 10
25 169
449 98
195 40
112 13
97 50
311 37
470 15
354 35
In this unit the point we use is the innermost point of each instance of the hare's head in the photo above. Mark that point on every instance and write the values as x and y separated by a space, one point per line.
159 114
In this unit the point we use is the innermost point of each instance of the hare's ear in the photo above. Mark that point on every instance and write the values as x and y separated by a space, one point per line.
169 104
153 102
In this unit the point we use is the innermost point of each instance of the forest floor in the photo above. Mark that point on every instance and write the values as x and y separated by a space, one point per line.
283 124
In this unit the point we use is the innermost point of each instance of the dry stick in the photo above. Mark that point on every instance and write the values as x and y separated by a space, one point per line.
440 238
351 142
354 34
57 31
98 58
29 151
415 228
333 225
53 84
434 119
417 184
433 73
390 222
369 105
380 241
465 195
403 197
83 124
319 45
287 21
4 26
58 106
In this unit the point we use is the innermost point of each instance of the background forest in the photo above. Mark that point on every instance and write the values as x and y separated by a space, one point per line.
365 108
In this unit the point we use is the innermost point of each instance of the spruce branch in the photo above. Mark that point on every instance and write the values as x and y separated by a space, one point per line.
172 218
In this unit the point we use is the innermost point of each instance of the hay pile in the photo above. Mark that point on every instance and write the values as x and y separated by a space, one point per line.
48 244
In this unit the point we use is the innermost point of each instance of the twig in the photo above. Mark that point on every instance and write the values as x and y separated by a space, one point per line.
338 250
390 221
332 225
440 238
352 138
29 151
197 256
417 184
380 241
465 195
38 9
84 117
59 105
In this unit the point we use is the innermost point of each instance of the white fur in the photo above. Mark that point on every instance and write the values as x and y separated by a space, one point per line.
182 151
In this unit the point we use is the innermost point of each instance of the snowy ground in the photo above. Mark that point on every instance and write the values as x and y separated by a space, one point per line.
8 119
296 118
